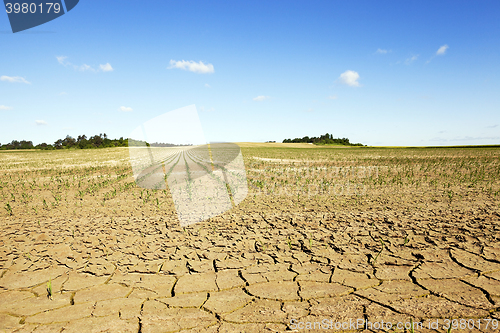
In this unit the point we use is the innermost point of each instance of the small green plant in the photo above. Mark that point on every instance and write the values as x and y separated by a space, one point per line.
412 330
49 289
407 239
289 242
383 245
310 243
8 208
450 194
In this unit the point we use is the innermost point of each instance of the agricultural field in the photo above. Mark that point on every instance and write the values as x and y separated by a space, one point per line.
326 236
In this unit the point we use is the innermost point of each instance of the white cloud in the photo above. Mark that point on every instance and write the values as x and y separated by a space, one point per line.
196 67
61 60
3 107
126 109
41 122
207 85
411 59
83 68
350 78
106 68
261 98
442 50
382 51
332 97
310 110
16 79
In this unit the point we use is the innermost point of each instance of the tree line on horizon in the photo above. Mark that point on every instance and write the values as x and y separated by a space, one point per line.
82 142
325 139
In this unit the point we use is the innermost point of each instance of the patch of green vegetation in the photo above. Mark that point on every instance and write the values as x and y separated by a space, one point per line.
326 139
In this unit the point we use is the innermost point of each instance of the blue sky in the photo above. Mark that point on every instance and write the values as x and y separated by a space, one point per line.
377 72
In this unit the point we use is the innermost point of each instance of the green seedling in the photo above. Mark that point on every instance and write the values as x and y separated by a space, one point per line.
449 328
407 239
49 289
310 243
383 245
289 242
8 208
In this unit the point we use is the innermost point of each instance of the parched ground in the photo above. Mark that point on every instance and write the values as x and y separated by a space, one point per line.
280 261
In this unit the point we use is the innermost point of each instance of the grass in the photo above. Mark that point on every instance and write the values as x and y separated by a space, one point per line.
38 184
49 289
8 208
378 254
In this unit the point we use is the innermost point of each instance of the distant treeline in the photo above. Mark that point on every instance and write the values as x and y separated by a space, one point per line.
323 140
81 142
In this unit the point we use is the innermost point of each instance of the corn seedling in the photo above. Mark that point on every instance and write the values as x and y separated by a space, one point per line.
49 289
8 208
412 329
375 259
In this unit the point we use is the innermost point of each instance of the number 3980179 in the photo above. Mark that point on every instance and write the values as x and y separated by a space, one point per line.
33 8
